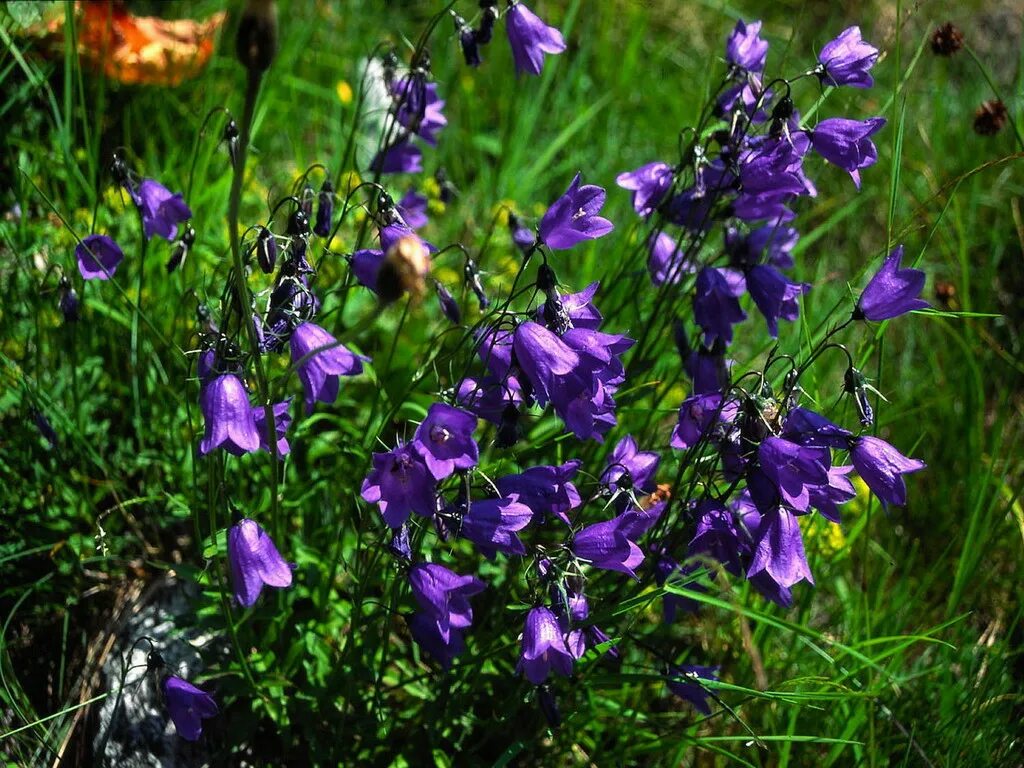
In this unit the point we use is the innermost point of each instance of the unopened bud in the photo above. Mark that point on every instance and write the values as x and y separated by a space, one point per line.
256 43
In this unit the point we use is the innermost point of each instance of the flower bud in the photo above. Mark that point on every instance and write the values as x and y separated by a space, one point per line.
231 139
448 304
405 269
855 384
324 210
266 250
947 40
256 43
472 275
990 118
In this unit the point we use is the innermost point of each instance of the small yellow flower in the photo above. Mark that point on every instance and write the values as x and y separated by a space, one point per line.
344 91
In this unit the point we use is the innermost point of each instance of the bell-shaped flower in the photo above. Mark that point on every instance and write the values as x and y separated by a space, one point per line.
162 210
666 262
445 440
745 49
792 469
779 549
716 306
228 416
630 468
543 647
649 184
427 634
491 524
546 490
398 484
188 706
847 143
607 545
98 257
530 38
443 595
892 291
573 218
320 360
882 467
847 59
254 561
774 295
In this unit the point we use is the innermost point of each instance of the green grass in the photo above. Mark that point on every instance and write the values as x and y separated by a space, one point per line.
906 653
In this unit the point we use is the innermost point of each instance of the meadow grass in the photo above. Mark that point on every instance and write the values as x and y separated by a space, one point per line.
907 652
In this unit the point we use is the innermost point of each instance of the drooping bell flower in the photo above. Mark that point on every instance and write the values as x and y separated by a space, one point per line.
779 549
792 469
718 536
882 467
492 524
774 295
162 210
847 59
771 244
716 306
892 291
573 218
543 647
744 49
530 38
413 209
320 360
449 306
697 415
228 416
398 484
629 468
401 157
606 545
98 257
490 397
545 490
188 706
254 561
682 681
444 596
445 440
649 184
282 420
847 143
468 42
523 237
425 632
420 108
666 262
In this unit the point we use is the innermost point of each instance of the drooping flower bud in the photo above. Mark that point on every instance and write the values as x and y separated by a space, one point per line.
448 304
324 209
231 139
307 197
485 31
256 43
472 275
266 250
855 384
68 301
467 41
180 249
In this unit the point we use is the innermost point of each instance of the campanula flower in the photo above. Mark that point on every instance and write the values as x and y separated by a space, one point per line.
630 468
682 681
188 706
324 210
774 295
413 209
847 59
443 595
792 469
228 416
161 209
530 38
744 49
254 561
98 257
320 360
882 467
771 244
400 483
606 545
573 218
491 524
425 632
847 143
779 549
449 306
401 157
666 262
649 184
445 440
697 415
543 647
718 536
282 420
716 306
892 291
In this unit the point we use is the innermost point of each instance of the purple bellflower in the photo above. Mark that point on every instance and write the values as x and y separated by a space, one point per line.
401 157
228 416
607 545
445 440
444 596
530 38
543 647
491 524
682 681
882 467
892 291
400 483
792 470
320 360
413 209
774 295
425 632
697 415
188 706
649 184
545 490
630 468
779 549
847 59
716 306
282 420
573 218
667 263
98 257
744 49
254 562
161 209
847 143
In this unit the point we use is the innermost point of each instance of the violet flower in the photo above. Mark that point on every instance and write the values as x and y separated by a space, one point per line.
649 184
444 596
543 647
682 681
744 49
228 416
530 38
606 545
697 415
427 634
716 306
320 360
282 420
545 490
413 209
401 157
98 257
254 561
792 469
847 143
161 209
491 524
400 483
445 440
630 468
882 467
779 549
892 291
847 59
774 295
188 706
667 262
573 218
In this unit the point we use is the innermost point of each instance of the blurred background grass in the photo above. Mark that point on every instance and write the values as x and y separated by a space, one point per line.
946 566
